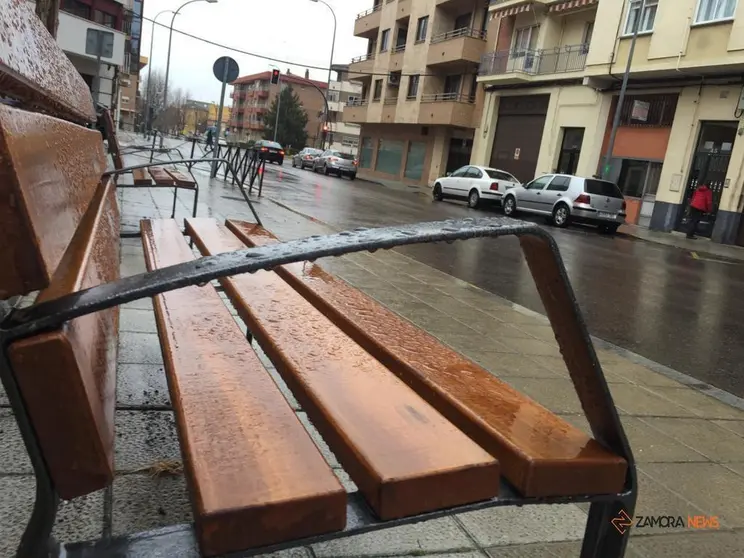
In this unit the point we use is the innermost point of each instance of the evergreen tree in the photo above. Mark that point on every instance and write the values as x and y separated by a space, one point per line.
292 120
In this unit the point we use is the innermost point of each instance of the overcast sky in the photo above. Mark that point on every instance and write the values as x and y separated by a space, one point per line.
296 30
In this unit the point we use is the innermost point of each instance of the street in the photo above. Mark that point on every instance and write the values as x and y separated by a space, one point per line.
655 300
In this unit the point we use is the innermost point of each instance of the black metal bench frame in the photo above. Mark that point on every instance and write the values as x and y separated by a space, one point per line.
601 540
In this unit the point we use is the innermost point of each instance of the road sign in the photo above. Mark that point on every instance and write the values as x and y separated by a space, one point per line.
226 68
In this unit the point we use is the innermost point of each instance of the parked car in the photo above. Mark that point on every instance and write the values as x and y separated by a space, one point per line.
474 184
335 162
270 150
306 157
565 198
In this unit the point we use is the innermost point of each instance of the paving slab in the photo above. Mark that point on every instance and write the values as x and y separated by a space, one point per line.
139 348
133 320
142 386
13 456
708 544
145 438
142 502
703 436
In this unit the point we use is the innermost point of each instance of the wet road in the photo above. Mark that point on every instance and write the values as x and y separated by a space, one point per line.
654 300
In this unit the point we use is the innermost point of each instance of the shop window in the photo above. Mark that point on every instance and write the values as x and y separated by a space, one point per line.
647 18
639 178
415 161
568 160
389 156
365 153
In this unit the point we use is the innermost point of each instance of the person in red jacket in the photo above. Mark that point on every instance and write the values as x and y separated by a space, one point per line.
702 203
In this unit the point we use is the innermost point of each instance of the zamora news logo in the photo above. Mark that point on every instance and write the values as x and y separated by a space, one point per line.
623 522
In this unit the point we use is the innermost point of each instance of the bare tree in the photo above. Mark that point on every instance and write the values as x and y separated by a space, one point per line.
168 116
48 12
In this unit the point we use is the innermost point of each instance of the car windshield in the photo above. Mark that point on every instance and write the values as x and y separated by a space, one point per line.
602 188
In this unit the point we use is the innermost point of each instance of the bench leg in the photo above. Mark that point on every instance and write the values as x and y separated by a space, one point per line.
196 200
175 199
602 538
249 337
36 541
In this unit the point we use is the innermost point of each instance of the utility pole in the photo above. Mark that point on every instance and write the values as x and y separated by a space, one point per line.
278 105
623 90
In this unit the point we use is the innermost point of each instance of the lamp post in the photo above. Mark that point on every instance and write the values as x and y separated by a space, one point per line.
170 41
333 47
623 89
148 123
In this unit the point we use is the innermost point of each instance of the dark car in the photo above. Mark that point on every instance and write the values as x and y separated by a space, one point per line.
270 150
306 157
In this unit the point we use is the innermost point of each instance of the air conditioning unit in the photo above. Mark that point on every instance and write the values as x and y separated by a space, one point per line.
394 79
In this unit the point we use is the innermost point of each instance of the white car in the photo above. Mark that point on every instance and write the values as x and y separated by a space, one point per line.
474 184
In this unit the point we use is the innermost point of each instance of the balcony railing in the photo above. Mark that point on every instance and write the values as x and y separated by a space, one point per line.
457 33
399 48
390 101
363 58
447 98
357 102
372 10
570 58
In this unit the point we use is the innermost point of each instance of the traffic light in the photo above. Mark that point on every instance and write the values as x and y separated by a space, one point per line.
274 77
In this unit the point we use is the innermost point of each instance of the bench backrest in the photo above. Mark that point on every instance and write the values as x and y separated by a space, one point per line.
60 233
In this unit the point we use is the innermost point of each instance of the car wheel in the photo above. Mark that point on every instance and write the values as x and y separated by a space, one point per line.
352 176
510 206
325 170
608 229
437 193
294 165
280 162
473 199
561 215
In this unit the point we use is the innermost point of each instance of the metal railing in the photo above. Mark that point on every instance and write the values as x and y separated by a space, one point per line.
363 58
447 97
390 101
457 33
399 48
373 9
357 102
558 60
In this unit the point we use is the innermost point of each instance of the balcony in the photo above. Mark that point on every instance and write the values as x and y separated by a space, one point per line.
519 66
447 109
355 112
361 65
455 48
367 23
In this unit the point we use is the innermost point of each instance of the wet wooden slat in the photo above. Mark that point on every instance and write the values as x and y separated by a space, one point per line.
404 456
141 177
49 171
256 477
540 453
35 71
161 177
68 377
183 180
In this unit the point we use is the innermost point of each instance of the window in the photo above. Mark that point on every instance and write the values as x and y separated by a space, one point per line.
385 40
421 28
525 39
413 83
713 10
352 100
389 156
639 178
400 41
463 21
459 173
415 160
104 19
473 173
602 188
333 96
587 37
646 23
500 175
560 184
365 153
539 183
452 84
76 8
378 90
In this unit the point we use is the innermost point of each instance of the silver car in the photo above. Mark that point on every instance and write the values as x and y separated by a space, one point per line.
335 162
306 157
564 199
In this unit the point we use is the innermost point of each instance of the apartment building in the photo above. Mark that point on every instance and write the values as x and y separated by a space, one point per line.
253 96
343 136
128 116
552 76
420 104
76 19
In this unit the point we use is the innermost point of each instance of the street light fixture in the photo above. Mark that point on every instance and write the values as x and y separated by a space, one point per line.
330 65
170 41
148 123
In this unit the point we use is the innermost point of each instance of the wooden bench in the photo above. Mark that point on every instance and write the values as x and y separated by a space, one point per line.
417 443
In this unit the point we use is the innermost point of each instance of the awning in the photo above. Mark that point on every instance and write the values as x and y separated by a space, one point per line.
513 10
571 5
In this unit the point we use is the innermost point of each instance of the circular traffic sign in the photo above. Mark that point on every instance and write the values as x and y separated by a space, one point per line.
226 63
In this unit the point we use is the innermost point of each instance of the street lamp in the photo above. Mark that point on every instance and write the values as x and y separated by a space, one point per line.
149 70
170 41
278 99
333 47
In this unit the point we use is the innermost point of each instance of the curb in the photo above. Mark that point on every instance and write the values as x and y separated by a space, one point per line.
684 379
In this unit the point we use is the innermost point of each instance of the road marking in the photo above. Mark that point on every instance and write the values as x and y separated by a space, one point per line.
695 256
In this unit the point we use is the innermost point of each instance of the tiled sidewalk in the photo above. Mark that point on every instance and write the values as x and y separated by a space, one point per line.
690 447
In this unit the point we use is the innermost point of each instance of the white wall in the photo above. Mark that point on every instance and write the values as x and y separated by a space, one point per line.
71 37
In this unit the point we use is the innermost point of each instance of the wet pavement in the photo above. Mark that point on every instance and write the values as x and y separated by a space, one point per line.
659 301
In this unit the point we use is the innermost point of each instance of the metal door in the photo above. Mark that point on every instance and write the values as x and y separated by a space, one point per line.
710 169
